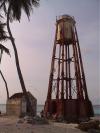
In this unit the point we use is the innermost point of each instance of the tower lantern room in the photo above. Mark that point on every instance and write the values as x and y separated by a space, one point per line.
67 95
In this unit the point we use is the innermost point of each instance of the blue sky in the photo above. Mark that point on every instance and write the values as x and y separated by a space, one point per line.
35 39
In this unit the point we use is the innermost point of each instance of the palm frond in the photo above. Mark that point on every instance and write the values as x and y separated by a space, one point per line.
35 2
1 16
6 50
3 35
17 6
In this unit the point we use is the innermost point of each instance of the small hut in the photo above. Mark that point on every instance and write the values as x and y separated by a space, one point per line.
17 104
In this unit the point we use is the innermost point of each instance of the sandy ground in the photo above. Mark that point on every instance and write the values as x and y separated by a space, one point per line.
11 125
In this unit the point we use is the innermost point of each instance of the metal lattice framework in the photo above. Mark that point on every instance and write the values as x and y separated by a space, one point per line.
67 85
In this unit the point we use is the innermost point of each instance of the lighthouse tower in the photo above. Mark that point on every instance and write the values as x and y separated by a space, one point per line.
67 95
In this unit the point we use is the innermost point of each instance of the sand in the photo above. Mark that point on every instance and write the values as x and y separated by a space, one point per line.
11 125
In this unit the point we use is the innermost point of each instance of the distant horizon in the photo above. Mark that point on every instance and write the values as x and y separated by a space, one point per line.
44 104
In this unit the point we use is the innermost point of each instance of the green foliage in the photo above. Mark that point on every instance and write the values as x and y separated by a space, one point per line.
3 37
2 32
3 48
16 7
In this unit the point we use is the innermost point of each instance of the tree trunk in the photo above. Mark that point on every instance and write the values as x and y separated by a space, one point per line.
5 84
17 63
3 76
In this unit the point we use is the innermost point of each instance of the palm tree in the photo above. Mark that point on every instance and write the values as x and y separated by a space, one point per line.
5 84
13 10
3 48
3 37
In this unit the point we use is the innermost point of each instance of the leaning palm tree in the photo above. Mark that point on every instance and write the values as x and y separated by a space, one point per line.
13 10
6 50
5 84
3 37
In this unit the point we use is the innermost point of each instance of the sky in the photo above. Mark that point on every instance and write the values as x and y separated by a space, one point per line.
35 39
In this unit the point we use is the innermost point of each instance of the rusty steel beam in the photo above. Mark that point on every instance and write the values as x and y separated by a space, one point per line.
67 95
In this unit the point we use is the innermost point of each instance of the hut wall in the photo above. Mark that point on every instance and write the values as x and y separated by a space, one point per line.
33 103
13 107
18 106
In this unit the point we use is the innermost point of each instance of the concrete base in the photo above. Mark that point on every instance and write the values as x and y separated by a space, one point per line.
70 110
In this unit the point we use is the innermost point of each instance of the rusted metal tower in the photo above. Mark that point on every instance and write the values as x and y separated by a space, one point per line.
67 95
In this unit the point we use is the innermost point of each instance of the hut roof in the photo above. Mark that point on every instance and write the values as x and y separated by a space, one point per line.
20 95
